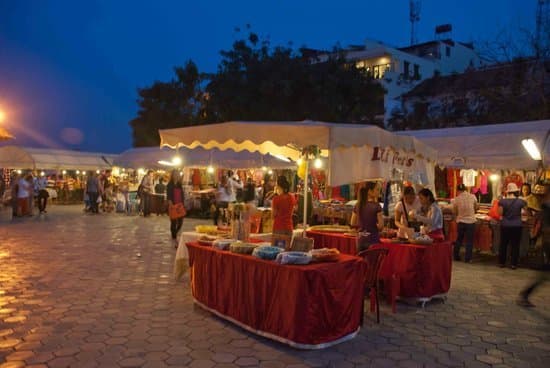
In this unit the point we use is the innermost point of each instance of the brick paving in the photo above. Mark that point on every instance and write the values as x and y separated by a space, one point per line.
80 290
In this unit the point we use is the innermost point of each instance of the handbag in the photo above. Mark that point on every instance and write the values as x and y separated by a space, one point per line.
176 211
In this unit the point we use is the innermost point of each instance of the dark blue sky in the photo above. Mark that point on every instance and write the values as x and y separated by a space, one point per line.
77 64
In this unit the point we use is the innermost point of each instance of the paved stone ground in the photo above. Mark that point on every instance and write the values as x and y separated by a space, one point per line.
81 290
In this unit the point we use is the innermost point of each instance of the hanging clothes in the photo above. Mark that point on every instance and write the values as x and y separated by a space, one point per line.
469 177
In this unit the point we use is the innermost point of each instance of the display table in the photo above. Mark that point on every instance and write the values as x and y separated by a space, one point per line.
346 244
305 306
419 272
182 256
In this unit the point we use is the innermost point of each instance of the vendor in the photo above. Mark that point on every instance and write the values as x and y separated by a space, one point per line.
282 208
430 215
409 202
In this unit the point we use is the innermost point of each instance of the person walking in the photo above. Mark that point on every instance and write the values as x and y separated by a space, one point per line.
148 187
14 189
543 274
369 214
465 206
92 189
175 197
510 225
40 186
23 192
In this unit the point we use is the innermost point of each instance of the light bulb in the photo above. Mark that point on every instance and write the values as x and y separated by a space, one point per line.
42 173
270 172
176 160
64 172
210 169
97 171
318 163
77 172
493 177
299 161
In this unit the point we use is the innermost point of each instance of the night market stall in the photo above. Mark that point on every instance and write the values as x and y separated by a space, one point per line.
65 169
261 304
486 158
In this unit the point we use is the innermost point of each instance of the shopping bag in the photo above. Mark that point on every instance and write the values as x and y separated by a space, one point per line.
176 211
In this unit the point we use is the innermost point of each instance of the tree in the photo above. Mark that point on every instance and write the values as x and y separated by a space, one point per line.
257 82
168 105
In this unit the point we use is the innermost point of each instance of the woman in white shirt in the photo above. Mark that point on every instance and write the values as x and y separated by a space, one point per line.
430 215
409 202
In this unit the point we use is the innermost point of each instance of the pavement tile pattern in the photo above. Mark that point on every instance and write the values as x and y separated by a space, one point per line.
79 290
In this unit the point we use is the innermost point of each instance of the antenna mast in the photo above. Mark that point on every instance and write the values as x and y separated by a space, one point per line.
414 17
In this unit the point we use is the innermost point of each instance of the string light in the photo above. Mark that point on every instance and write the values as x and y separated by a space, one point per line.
318 163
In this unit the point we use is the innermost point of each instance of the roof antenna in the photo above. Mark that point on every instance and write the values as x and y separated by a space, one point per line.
414 17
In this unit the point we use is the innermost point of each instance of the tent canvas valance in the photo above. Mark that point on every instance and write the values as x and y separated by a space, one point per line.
149 157
496 146
25 158
356 152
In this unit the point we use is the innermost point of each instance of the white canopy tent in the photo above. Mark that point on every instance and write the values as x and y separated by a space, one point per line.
496 146
357 152
25 158
149 157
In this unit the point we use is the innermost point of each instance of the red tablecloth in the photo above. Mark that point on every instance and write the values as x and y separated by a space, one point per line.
344 243
417 271
306 306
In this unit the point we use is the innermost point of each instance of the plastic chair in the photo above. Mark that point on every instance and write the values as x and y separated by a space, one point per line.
373 258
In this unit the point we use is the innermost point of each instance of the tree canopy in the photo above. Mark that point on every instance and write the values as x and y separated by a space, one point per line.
255 81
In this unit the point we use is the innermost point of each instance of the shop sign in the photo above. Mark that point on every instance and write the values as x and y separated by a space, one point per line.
388 155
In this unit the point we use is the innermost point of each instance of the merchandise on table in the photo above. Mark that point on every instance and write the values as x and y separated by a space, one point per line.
331 228
293 258
242 248
266 252
223 244
205 229
325 255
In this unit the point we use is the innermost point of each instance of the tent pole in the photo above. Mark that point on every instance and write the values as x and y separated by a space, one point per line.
306 158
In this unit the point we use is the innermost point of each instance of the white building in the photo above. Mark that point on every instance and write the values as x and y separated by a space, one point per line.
400 69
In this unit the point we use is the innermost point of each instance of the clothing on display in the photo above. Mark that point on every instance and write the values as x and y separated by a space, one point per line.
469 177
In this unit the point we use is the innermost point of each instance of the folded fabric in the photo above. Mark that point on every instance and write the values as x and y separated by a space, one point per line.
293 258
266 252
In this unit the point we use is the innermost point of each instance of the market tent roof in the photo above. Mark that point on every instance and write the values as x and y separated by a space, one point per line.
496 146
149 157
344 141
16 157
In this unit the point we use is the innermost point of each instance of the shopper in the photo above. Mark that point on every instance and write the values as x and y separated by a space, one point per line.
409 202
282 208
160 188
430 215
510 225
14 189
543 274
40 186
23 192
370 219
465 206
147 189
92 189
175 196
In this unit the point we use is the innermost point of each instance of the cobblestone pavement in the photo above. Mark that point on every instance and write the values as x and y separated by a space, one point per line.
80 290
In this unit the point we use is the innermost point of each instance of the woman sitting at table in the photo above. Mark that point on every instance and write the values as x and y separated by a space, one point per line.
369 216
430 215
282 208
409 202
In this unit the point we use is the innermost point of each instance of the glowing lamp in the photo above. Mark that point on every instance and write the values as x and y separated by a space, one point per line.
210 169
532 149
318 163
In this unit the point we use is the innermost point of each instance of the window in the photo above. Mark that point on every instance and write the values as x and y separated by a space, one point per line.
416 71
406 67
447 51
